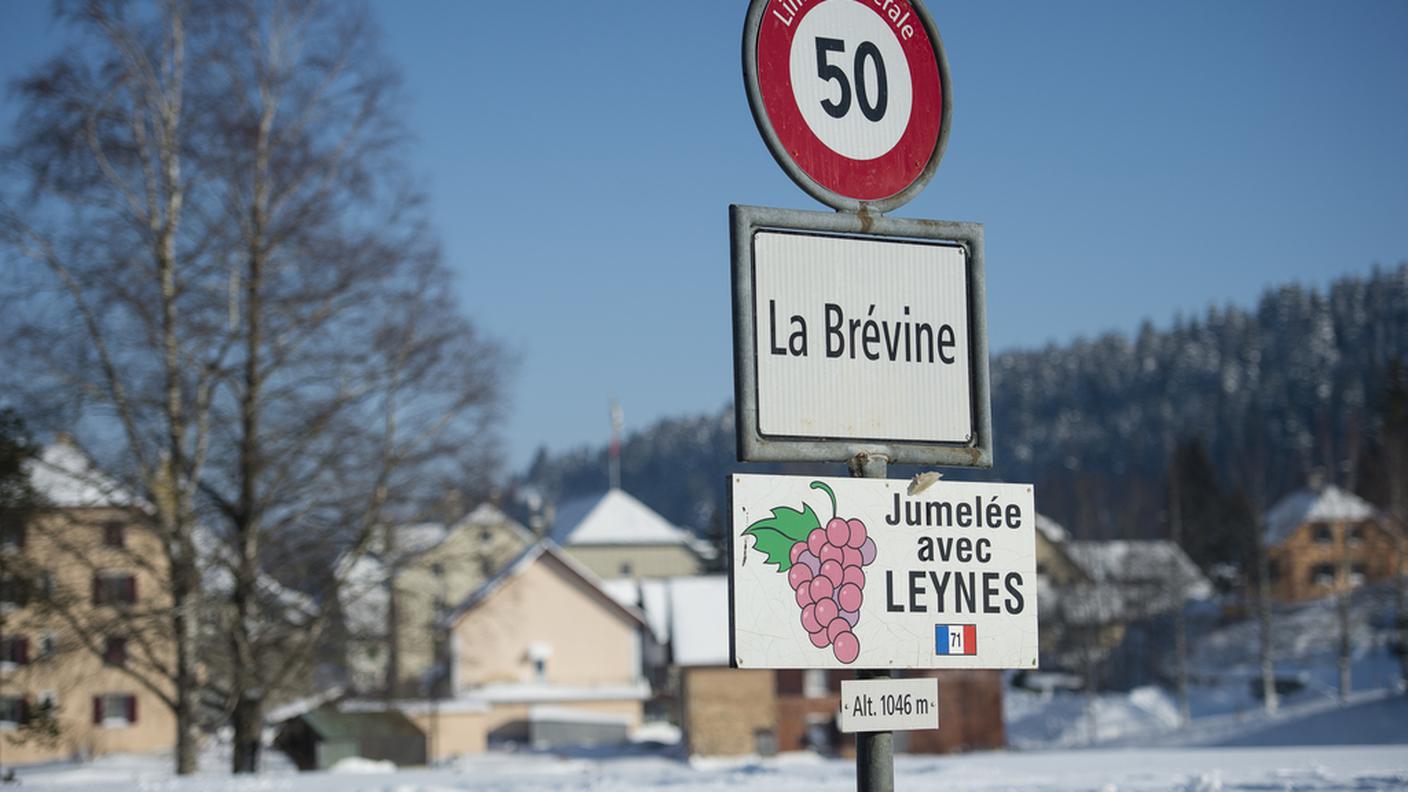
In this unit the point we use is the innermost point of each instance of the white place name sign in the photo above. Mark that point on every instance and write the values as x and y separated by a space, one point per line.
864 339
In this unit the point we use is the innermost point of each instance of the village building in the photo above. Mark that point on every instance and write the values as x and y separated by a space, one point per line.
82 608
726 711
398 595
615 535
540 655
1321 540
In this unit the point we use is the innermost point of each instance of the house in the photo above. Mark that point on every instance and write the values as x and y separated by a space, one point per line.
397 597
1054 565
1115 629
729 711
82 603
540 655
1321 540
614 535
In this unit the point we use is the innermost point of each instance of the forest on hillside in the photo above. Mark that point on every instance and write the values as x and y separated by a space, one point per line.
1252 400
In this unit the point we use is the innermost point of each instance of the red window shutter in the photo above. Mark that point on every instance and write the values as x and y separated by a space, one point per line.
22 650
97 589
24 710
131 588
97 710
131 709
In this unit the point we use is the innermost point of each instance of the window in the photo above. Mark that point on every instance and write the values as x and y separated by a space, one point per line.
11 529
12 712
115 652
14 650
14 593
46 706
114 710
114 587
114 534
1322 574
814 683
540 669
1322 534
48 645
626 569
1356 535
1358 575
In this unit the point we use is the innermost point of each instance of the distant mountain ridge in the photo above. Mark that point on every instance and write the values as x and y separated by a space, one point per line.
1286 387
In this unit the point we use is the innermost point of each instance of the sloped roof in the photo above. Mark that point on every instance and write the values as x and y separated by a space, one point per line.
614 518
1138 563
650 595
544 547
1326 504
65 477
1054 532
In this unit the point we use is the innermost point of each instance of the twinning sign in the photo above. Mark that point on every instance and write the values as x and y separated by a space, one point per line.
861 335
858 573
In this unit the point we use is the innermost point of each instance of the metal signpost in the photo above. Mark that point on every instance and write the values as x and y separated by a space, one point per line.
861 338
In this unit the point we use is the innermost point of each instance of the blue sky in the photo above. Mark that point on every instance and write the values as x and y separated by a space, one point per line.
1129 161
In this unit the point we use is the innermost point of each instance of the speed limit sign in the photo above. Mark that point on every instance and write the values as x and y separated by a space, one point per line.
852 96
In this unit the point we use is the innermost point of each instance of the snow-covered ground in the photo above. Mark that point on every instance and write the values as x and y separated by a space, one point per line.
1336 768
1060 741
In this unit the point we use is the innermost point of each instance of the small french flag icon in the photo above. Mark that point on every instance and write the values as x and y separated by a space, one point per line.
955 639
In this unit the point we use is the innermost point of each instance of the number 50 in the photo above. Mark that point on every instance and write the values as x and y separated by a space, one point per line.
826 70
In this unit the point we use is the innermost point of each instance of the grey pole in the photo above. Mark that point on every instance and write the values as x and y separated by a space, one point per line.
875 751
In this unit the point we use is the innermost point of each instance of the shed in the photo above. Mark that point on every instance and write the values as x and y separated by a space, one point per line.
318 739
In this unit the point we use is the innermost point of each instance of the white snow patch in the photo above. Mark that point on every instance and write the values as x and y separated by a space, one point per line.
356 765
614 518
699 620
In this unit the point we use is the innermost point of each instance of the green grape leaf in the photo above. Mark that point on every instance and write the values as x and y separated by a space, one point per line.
775 535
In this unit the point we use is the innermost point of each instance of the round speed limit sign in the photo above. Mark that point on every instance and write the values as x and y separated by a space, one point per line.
852 96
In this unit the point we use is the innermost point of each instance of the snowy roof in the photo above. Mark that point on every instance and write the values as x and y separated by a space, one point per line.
1134 578
65 477
526 559
1327 504
487 514
699 620
614 518
1052 530
650 595
1137 560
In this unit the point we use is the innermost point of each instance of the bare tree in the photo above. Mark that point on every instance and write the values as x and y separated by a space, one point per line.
107 307
1394 440
358 389
265 335
1179 594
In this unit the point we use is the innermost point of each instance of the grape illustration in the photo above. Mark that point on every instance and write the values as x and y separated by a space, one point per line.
824 566
846 647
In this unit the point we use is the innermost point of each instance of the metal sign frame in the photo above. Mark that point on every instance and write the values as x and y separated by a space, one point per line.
784 159
753 446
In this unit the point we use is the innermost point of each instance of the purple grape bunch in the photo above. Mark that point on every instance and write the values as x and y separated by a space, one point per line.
828 578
